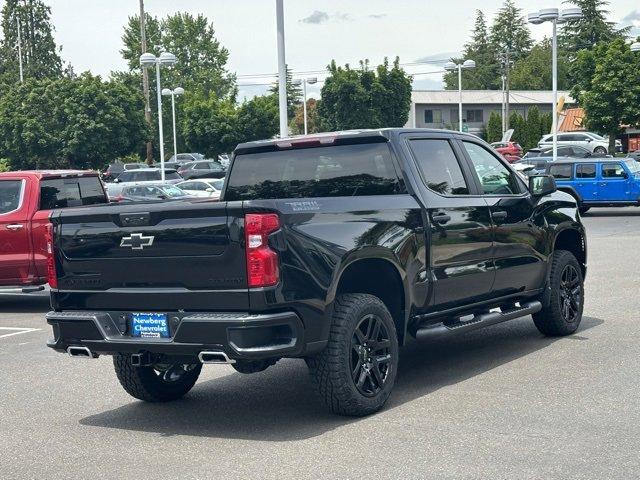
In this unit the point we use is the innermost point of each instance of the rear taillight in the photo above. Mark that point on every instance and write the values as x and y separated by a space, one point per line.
52 277
262 261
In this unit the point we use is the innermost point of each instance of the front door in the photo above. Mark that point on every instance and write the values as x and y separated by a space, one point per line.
519 237
614 183
15 249
459 232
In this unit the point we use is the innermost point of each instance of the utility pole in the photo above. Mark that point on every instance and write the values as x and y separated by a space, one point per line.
504 123
145 82
507 96
19 49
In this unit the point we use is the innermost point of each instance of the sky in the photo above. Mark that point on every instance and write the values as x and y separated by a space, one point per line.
315 32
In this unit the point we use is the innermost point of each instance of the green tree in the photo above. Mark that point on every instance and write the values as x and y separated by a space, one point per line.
313 122
294 93
40 57
509 31
494 127
519 125
486 75
546 123
533 129
202 60
258 119
613 96
364 98
533 71
591 29
81 122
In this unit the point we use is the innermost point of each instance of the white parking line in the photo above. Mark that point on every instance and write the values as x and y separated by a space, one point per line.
18 332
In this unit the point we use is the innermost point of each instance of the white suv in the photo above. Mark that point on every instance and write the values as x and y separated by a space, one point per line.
591 141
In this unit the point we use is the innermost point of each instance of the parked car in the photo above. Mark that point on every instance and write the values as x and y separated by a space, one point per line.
186 157
511 151
151 192
334 248
635 155
210 188
574 151
170 165
26 201
202 169
598 182
139 177
224 159
115 169
591 141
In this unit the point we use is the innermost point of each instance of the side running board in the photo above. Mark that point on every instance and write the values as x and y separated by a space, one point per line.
477 321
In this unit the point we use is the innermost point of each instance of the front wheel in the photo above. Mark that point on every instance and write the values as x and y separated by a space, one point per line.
161 382
355 373
562 311
600 150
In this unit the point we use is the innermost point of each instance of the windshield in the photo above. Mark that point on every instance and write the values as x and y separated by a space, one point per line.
633 166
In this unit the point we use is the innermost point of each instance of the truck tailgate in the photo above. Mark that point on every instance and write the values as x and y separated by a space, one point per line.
151 256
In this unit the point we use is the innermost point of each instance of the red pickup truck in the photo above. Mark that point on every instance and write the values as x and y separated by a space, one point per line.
26 201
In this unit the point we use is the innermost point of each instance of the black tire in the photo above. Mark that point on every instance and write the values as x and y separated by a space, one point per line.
562 310
159 383
583 210
600 150
355 373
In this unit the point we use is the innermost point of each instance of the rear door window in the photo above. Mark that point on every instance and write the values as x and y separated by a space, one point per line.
334 171
70 192
11 192
439 167
586 170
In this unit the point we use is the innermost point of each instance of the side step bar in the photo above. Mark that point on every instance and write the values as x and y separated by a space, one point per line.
478 321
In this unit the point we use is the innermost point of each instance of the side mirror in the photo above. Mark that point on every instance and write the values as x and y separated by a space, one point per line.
210 190
541 185
115 180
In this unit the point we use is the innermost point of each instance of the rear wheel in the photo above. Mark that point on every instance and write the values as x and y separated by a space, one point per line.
600 150
562 311
161 382
356 372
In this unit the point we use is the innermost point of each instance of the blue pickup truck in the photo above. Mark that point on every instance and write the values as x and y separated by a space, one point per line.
603 182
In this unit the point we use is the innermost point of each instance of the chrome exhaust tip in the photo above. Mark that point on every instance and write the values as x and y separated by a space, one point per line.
215 357
80 352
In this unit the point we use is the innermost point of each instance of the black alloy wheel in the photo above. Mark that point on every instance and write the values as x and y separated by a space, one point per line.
370 355
570 293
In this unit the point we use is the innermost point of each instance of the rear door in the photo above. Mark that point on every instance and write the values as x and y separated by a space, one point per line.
15 248
460 235
586 183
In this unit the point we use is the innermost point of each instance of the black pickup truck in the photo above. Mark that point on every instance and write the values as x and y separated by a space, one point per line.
334 248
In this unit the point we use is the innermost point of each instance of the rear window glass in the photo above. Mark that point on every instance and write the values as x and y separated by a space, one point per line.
336 171
70 192
587 170
10 195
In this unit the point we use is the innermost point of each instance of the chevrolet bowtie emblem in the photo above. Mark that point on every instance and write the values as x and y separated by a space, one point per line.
137 241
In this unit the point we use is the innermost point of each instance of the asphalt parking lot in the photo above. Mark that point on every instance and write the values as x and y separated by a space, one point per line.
503 402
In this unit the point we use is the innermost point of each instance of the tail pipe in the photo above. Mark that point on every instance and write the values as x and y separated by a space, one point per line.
81 352
215 357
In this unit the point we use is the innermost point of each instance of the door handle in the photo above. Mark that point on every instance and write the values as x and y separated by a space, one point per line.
14 226
499 215
441 218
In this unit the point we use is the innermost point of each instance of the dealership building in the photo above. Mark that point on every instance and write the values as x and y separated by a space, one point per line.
439 108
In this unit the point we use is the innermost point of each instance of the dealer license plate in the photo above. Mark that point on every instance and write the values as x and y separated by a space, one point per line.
149 325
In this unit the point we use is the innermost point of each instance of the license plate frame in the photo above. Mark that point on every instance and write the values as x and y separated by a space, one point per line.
150 325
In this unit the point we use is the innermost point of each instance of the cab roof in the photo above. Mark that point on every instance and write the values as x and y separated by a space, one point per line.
40 174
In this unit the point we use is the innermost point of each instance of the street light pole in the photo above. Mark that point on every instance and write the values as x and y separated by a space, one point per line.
173 93
282 71
451 66
304 81
556 17
19 49
148 60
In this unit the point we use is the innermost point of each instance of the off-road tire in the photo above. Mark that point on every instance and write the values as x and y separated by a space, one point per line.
552 319
144 383
332 370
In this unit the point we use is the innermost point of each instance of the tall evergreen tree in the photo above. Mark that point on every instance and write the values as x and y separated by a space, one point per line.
294 93
509 31
40 57
486 75
494 127
591 29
